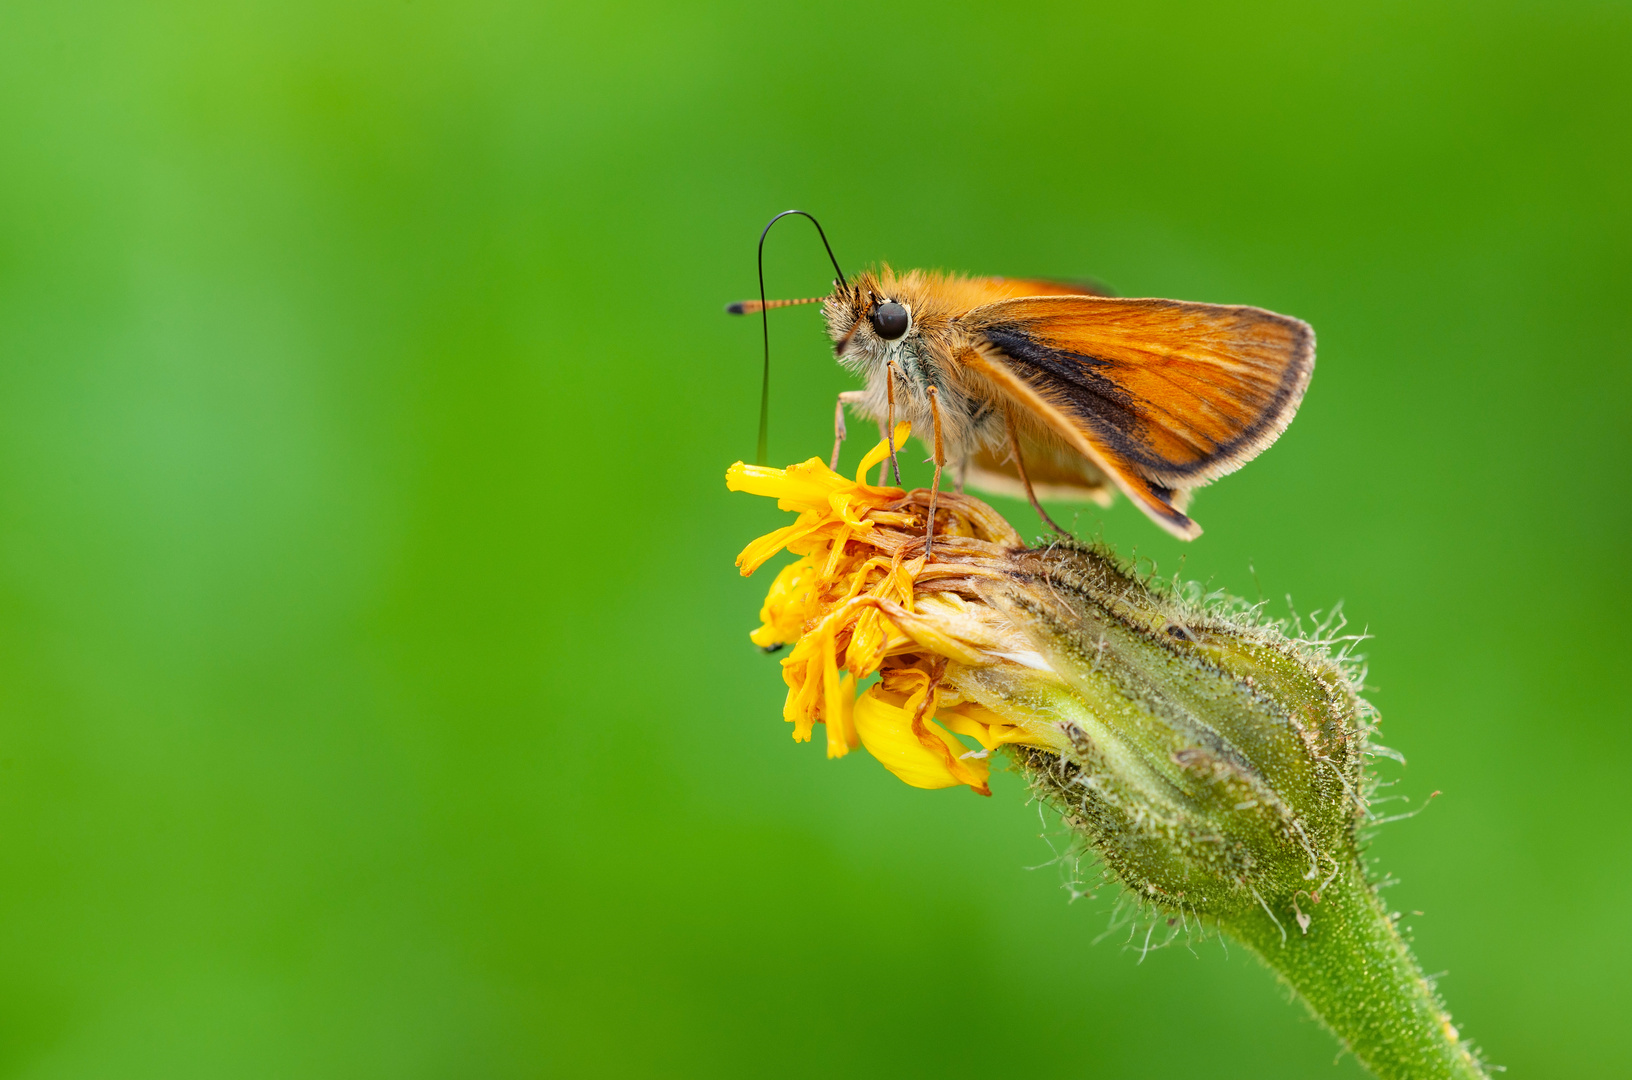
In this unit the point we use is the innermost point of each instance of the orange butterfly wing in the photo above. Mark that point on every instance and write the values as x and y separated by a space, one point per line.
1012 287
1162 395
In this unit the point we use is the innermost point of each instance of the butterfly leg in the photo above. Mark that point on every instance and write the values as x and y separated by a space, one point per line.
1020 467
935 485
889 423
849 397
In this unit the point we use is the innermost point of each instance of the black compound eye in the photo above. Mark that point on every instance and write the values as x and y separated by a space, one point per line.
889 320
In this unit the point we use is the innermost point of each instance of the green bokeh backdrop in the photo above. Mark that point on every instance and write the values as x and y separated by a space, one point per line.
375 699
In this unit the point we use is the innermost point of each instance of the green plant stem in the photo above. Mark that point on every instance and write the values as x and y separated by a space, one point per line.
1355 973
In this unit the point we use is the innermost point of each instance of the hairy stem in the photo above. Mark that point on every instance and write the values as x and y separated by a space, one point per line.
1356 974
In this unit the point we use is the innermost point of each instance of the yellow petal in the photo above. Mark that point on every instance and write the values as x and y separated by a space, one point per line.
841 723
881 451
800 709
754 555
885 728
804 483
837 698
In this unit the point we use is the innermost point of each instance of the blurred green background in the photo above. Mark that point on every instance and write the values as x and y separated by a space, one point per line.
375 696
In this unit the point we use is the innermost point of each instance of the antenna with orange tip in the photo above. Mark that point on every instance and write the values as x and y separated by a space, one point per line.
754 307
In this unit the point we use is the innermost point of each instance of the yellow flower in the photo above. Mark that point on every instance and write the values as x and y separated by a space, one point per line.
862 602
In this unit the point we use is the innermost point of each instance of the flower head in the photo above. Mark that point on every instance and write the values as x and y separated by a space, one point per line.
863 601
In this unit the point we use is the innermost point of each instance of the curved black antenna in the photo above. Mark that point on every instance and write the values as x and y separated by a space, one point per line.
765 321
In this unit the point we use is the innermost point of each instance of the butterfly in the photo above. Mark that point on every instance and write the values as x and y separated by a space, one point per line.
1058 390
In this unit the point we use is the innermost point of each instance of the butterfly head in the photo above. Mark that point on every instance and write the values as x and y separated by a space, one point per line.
873 317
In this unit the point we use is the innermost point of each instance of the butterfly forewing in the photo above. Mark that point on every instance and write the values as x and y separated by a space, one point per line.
1174 393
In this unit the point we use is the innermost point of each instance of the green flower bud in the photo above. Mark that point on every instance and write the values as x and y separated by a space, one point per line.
1217 767
1214 764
